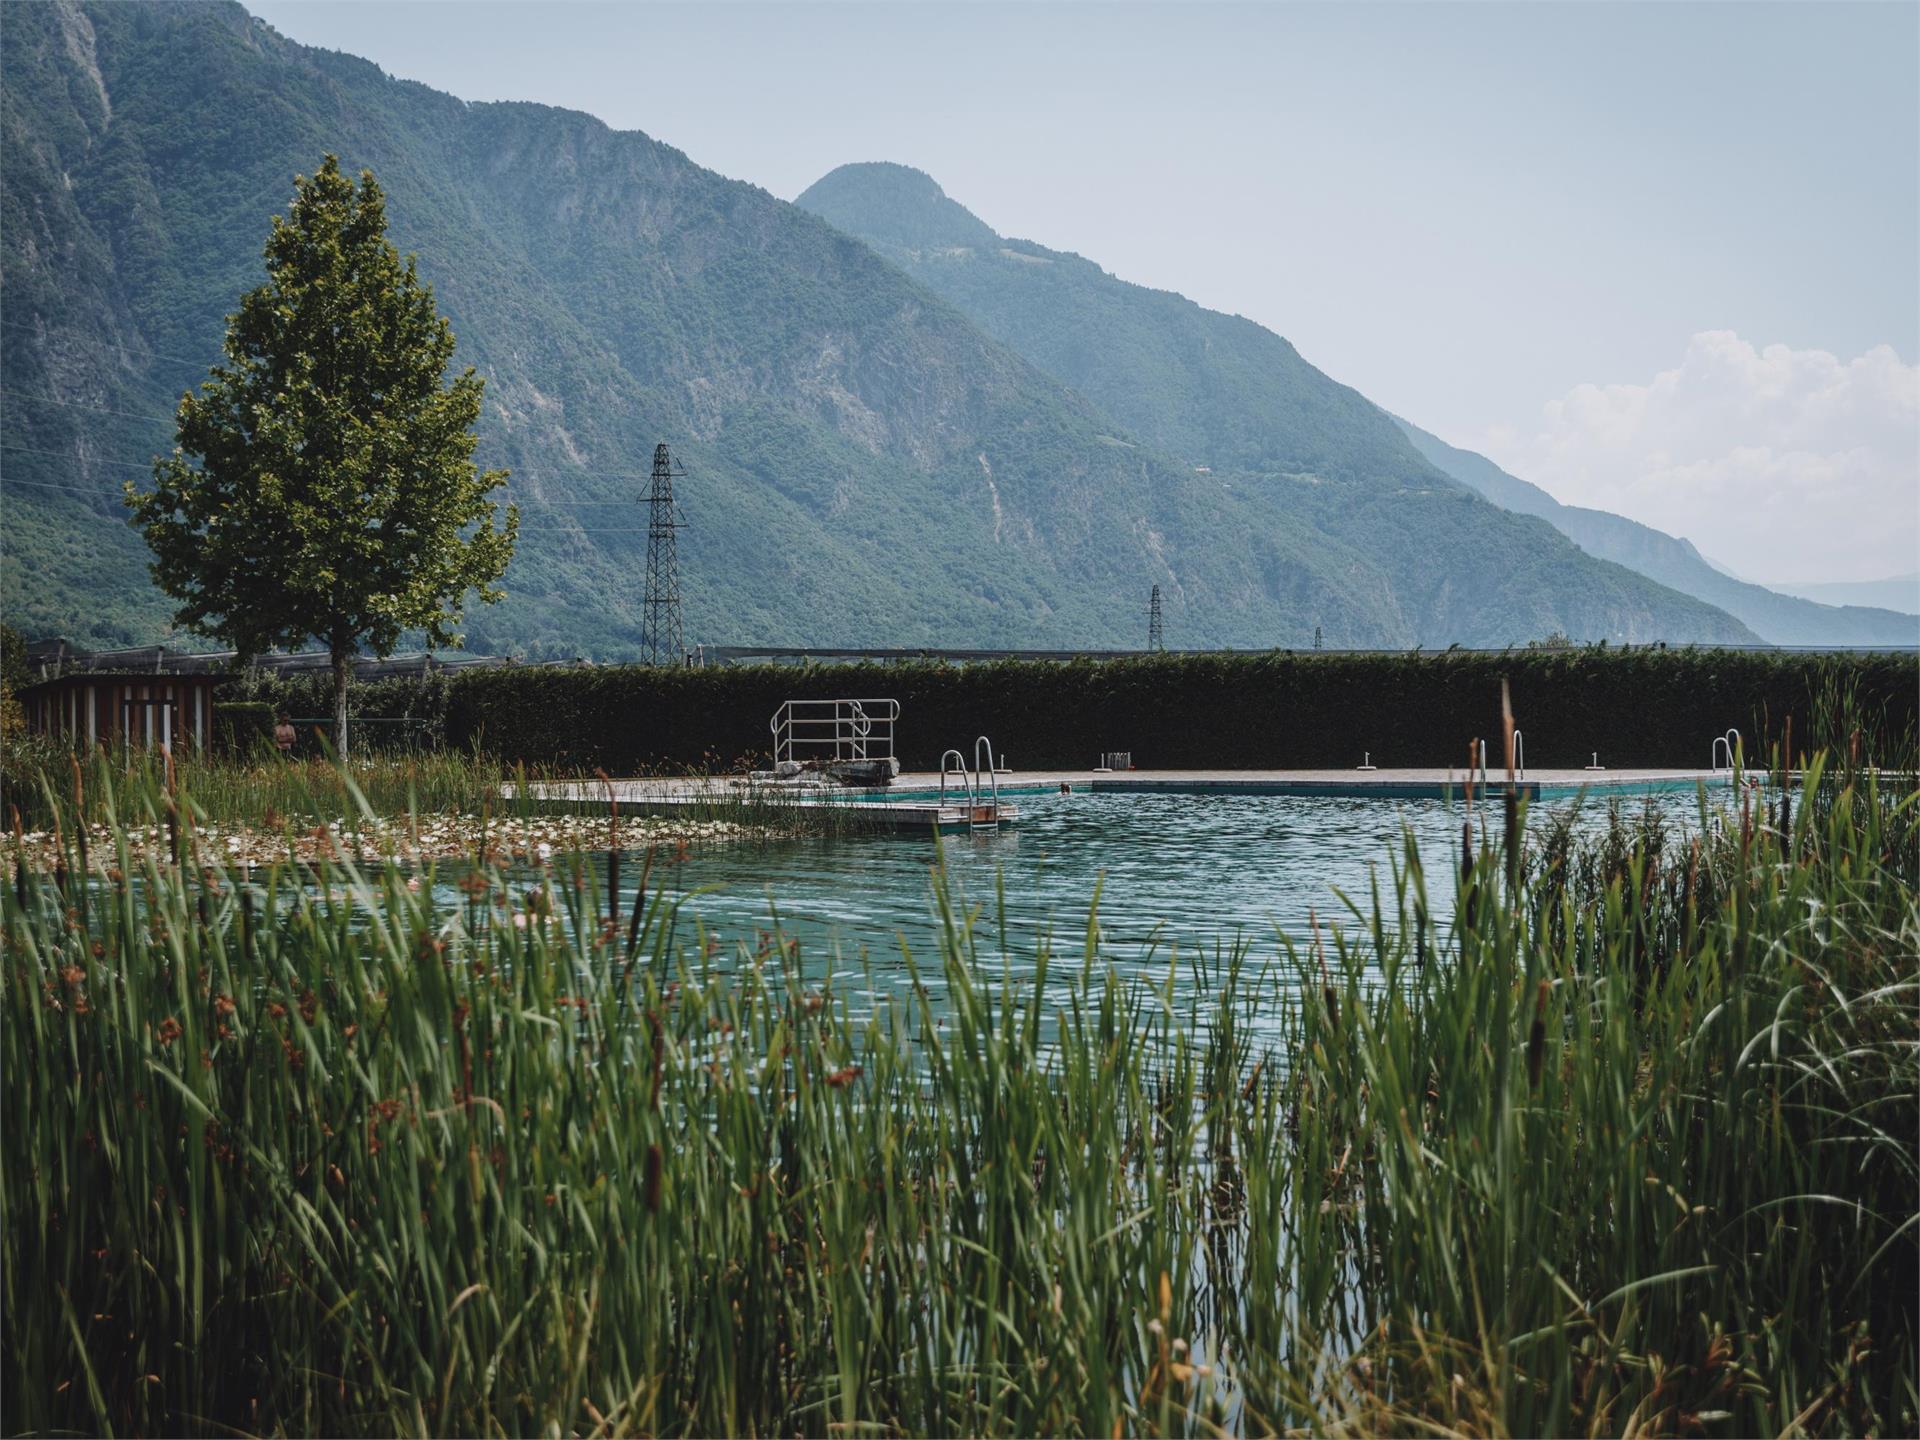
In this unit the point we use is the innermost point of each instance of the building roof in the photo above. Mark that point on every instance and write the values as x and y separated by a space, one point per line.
120 677
57 659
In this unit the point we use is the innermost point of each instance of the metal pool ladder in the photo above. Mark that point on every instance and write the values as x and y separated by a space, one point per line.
1731 742
981 813
1479 765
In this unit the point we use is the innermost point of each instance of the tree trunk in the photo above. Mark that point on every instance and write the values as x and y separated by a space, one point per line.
342 672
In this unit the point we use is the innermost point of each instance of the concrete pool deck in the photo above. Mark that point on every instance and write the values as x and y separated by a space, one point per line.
1384 783
913 802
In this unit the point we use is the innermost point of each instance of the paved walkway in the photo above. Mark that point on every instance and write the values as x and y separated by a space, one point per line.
1395 783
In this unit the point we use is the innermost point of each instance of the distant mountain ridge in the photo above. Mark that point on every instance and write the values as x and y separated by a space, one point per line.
866 463
1213 390
1222 391
1895 592
1783 619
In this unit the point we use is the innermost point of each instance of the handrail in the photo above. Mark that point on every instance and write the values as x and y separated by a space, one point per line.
1480 762
1519 756
959 767
1731 740
844 729
992 775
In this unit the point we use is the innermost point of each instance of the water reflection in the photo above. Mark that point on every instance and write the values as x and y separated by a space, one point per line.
1192 871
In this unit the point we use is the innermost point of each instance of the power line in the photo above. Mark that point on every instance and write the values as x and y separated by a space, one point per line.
587 530
81 405
50 485
547 478
64 455
123 349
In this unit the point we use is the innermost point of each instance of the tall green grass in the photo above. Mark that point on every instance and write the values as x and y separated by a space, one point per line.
46 784
1624 1145
260 789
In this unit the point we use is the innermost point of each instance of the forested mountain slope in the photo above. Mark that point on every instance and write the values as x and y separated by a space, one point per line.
1214 390
865 465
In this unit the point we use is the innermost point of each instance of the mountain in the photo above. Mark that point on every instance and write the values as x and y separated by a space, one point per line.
1896 592
865 462
1230 398
1221 391
1783 619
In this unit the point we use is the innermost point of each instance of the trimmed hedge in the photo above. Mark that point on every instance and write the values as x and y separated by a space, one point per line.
408 712
241 727
1651 707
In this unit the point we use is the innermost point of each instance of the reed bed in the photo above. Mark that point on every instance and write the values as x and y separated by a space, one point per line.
48 786
1623 1143
260 789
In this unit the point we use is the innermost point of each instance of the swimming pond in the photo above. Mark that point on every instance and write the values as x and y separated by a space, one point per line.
1195 871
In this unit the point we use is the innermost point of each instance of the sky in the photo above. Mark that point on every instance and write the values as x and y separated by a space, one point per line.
1659 259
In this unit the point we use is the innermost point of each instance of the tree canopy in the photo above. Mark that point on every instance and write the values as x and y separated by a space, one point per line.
323 484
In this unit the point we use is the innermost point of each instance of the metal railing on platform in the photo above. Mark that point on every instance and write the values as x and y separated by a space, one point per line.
829 731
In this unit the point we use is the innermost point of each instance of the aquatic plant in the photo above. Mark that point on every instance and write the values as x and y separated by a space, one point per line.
318 1152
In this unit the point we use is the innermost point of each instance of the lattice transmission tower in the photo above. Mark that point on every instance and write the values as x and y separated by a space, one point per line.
1155 640
661 641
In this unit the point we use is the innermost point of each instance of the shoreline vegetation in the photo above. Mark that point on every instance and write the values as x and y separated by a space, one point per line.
412 808
1625 1144
409 842
1637 706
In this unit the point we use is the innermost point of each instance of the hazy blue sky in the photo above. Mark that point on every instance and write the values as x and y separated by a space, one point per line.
1478 214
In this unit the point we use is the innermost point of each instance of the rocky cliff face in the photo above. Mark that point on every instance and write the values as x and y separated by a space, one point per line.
1221 392
865 464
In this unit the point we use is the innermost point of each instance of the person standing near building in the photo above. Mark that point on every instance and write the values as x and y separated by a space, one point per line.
283 735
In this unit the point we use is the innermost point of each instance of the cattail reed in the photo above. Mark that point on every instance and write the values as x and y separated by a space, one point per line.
80 817
1691 883
419 1165
1512 798
658 1037
639 907
613 849
1537 1037
1326 980
652 1183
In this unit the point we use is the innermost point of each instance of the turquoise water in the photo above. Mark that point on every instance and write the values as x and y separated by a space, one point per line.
1197 872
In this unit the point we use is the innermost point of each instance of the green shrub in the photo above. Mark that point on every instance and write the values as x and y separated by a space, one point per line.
1651 707
242 727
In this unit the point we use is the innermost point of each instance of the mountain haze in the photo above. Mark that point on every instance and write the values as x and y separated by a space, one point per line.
1782 619
1221 391
1895 592
866 463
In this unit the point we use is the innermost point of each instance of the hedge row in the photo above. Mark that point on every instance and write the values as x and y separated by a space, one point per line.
1648 707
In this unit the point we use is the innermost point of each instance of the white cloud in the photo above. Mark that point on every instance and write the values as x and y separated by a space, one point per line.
1783 464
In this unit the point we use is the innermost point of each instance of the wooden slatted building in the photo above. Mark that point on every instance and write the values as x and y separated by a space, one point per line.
142 697
157 696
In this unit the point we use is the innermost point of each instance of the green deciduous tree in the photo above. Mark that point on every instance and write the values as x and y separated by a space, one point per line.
334 495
